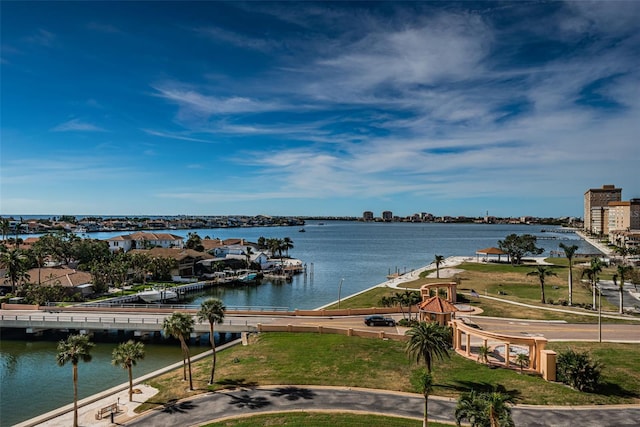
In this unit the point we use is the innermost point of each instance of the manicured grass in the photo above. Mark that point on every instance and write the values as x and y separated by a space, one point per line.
318 419
368 299
309 359
621 371
509 283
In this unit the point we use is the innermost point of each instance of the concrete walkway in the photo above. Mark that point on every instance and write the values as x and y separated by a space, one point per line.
243 402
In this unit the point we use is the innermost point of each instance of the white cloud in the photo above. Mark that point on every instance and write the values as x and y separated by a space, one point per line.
206 104
77 125
172 135
42 37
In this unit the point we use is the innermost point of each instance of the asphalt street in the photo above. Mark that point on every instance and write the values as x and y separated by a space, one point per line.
219 405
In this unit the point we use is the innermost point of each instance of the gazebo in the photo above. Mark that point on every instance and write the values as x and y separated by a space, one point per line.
436 309
491 251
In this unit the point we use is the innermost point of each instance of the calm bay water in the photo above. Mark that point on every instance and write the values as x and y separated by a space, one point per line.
360 253
363 254
33 383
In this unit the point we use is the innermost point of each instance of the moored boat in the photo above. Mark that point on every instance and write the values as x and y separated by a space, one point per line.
157 295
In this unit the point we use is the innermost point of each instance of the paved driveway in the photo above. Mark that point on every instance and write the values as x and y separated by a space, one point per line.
214 406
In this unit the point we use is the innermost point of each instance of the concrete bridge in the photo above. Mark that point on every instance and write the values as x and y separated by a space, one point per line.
37 321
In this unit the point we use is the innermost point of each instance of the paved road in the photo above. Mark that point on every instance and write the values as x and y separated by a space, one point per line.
560 331
214 406
550 330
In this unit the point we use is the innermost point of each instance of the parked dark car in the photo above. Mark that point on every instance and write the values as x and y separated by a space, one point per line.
378 320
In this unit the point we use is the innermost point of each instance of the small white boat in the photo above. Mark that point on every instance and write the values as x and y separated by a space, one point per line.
157 295
249 277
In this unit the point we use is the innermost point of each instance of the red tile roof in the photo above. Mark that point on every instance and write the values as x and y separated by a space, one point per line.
68 277
437 305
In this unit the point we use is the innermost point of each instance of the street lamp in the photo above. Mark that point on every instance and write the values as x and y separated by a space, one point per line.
339 291
599 314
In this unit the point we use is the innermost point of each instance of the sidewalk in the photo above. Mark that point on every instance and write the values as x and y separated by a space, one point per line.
88 407
606 250
87 413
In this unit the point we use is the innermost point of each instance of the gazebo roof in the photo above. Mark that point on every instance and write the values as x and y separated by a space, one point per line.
491 251
437 305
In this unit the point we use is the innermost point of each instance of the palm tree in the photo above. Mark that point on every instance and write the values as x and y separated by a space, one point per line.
127 355
622 272
411 298
499 411
542 272
39 253
428 341
180 325
212 310
400 299
438 259
470 407
423 381
522 359
287 244
484 409
592 274
5 226
75 349
14 262
483 354
386 301
248 252
569 252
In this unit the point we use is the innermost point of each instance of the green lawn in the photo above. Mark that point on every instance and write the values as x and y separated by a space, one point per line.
368 299
310 359
318 419
509 283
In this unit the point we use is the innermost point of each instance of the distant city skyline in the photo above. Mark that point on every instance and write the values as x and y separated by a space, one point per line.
317 108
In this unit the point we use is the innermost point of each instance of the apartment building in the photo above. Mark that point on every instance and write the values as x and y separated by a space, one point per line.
624 223
596 208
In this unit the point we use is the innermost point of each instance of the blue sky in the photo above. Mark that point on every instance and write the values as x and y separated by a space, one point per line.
302 108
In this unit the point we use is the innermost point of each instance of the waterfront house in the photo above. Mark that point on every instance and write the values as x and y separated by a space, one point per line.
72 280
186 259
143 240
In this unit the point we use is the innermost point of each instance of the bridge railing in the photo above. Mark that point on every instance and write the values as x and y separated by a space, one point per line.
136 320
174 307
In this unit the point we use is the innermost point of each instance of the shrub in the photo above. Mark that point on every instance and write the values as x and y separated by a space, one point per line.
578 371
407 323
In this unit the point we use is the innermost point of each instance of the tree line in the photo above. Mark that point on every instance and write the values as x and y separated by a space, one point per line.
89 255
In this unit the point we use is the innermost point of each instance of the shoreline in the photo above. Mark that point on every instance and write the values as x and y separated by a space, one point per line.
88 406
605 249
